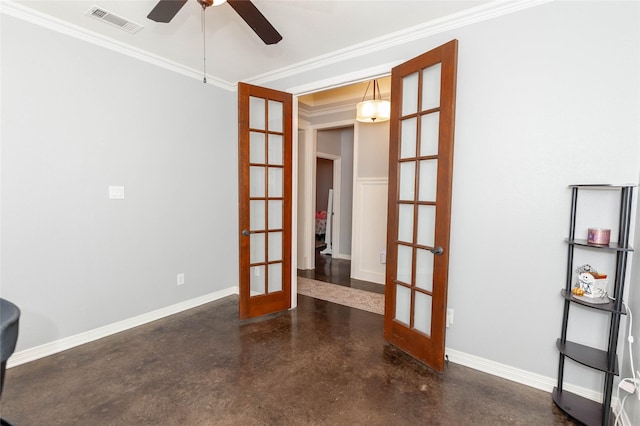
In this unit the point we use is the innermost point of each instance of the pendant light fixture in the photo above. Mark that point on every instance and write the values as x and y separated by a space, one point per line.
374 110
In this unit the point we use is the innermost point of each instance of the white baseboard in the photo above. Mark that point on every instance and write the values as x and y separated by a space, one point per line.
528 378
373 277
517 375
51 348
341 256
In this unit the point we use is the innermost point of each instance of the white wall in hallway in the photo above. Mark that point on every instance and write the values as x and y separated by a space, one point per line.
371 173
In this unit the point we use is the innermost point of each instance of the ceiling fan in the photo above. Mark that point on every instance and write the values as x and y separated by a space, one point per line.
165 10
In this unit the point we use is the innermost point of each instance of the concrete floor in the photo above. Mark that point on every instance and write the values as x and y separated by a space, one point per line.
320 364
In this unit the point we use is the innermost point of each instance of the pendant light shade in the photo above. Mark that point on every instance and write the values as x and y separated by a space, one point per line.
374 110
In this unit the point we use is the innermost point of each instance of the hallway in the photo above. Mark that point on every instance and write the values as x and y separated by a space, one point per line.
337 271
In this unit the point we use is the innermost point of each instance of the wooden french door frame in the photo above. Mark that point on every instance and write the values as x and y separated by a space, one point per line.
265 147
415 312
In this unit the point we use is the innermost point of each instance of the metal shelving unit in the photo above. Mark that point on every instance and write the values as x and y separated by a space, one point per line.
582 409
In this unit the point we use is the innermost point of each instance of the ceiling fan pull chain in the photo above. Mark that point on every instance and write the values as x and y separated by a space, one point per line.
204 48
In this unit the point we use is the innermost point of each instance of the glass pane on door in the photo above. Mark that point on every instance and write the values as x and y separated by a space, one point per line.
403 304
431 87
256 181
275 245
407 180
428 180
405 223
426 225
408 138
275 150
275 182
405 257
429 133
276 117
257 280
424 269
275 214
275 277
266 189
256 215
257 254
257 148
256 113
409 94
422 314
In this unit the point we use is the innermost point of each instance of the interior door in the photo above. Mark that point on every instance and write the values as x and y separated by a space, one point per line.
420 179
265 182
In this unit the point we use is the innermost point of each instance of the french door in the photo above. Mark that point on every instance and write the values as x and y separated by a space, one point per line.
419 210
265 181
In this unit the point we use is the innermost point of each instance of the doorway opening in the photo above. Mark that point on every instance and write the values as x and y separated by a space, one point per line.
329 134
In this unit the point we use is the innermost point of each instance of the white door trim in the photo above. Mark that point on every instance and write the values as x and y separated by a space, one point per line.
335 221
305 191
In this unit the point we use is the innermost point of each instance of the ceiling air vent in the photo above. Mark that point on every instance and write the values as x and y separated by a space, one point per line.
113 19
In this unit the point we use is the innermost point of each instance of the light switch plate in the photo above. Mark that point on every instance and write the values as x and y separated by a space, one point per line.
116 192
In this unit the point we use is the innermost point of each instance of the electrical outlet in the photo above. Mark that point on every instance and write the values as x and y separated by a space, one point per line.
627 387
631 386
449 318
116 192
180 279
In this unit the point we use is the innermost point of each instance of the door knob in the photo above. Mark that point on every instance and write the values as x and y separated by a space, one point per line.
245 233
437 250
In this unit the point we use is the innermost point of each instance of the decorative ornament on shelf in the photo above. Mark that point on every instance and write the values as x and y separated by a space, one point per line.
598 236
591 284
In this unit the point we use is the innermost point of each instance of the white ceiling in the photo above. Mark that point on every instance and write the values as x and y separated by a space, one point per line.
311 30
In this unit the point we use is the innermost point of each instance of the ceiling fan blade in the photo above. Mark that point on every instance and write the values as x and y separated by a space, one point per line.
165 10
256 20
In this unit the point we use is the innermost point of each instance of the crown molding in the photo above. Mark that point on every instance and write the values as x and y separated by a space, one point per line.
35 17
378 71
461 19
430 28
341 107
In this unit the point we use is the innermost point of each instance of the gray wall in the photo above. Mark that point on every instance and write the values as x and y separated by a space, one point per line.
546 97
324 182
77 118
